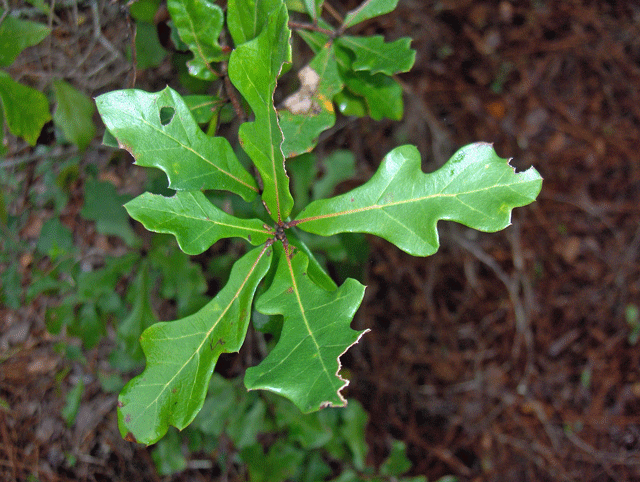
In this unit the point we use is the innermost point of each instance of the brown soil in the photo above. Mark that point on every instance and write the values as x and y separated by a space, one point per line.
504 357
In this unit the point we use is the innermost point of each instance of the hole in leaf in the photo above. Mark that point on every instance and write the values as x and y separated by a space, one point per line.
166 115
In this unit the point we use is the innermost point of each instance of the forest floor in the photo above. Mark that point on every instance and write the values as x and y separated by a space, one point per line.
503 357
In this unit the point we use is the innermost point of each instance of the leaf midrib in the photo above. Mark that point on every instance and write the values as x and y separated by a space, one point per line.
240 181
208 332
406 201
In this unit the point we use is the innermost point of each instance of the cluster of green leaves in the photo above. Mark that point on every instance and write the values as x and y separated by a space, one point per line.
270 439
82 300
26 110
308 314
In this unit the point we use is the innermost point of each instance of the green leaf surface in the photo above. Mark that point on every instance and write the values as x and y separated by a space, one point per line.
139 318
103 205
55 239
182 278
316 272
159 131
382 94
193 220
303 171
314 8
349 103
375 55
310 111
246 18
338 166
167 455
254 68
280 463
144 10
304 364
16 35
315 40
182 354
368 9
397 463
199 23
402 204
23 122
149 50
203 107
88 325
353 431
229 408
74 114
11 286
73 400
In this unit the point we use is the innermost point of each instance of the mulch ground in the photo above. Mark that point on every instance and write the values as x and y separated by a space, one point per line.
503 357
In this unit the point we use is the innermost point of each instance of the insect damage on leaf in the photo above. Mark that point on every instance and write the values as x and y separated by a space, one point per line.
301 101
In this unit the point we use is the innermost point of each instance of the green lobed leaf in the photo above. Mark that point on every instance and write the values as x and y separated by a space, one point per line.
199 24
73 114
402 204
310 111
182 354
368 9
159 131
254 68
245 18
23 122
316 272
193 220
16 35
304 364
381 94
375 55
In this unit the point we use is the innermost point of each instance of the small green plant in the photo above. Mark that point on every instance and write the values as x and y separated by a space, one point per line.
261 437
25 110
309 315
26 122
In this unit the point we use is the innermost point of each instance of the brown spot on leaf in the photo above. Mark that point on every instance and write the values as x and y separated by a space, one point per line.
130 437
127 418
120 404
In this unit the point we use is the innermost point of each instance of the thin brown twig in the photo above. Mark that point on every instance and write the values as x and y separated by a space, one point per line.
231 93
5 4
309 26
333 12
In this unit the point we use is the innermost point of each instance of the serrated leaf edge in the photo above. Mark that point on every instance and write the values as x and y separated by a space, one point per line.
325 403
